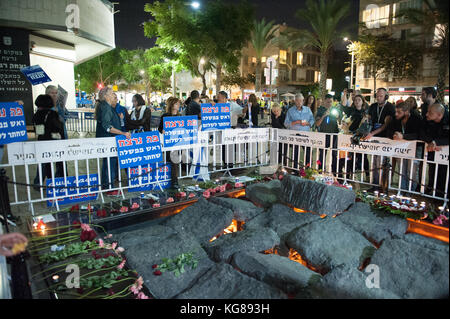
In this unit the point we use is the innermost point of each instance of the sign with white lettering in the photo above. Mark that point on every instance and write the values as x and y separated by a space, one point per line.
35 75
180 131
140 149
217 117
311 139
12 123
71 194
379 146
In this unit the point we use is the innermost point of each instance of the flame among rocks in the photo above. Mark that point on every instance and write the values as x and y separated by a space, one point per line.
294 256
233 228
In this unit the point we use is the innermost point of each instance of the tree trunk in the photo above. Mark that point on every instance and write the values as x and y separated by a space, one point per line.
218 77
323 75
442 75
204 84
258 76
374 87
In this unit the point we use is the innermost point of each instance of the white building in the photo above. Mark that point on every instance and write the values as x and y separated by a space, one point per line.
58 35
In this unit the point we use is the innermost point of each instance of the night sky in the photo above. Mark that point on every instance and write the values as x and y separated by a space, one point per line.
130 33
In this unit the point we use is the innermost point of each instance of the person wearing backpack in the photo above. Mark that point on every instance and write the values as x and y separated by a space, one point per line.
48 127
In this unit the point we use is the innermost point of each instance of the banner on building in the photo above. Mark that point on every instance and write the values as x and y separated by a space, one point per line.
12 123
140 149
70 189
379 146
15 55
180 131
217 117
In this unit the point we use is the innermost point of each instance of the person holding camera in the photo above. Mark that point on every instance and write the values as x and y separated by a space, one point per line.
381 113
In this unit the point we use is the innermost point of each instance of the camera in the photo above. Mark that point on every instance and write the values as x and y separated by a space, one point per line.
363 130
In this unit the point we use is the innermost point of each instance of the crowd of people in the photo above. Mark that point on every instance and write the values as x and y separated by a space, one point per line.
403 121
428 124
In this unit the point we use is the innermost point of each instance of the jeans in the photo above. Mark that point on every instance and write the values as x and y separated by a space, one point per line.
114 166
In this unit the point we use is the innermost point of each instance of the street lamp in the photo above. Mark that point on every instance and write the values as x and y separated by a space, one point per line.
195 5
350 83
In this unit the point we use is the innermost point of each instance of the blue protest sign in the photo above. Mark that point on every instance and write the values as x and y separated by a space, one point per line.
89 116
12 123
72 115
150 174
85 193
180 131
140 149
35 75
217 117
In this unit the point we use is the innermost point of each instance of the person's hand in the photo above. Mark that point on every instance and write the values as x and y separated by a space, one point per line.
296 122
127 135
431 147
367 137
11 242
304 123
121 116
398 136
20 102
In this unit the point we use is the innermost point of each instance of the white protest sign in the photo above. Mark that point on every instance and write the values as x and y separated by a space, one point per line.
379 146
441 156
239 136
303 138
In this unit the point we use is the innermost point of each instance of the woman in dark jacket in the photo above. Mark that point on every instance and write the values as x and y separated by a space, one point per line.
48 127
141 116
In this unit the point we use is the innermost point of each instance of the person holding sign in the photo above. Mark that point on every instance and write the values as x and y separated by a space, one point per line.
48 127
172 109
108 125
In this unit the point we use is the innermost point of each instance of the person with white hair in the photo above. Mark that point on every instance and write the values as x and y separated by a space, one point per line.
299 118
108 125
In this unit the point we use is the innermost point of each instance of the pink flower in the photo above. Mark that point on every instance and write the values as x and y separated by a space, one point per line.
122 264
170 200
155 266
101 243
137 286
124 209
157 273
85 227
156 205
109 236
217 189
440 220
191 195
206 194
319 163
141 295
114 245
223 188
120 250
135 206
238 185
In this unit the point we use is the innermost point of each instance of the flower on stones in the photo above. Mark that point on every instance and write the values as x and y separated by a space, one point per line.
85 227
223 188
76 224
170 200
119 250
124 209
108 236
135 206
228 186
157 273
238 185
101 243
141 295
191 195
110 292
156 205
155 266
122 264
114 245
440 220
302 172
206 194
137 286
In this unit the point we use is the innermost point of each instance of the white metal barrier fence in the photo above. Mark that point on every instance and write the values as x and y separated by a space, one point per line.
408 165
74 167
81 122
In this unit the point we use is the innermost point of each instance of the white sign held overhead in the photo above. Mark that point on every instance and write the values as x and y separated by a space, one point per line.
273 60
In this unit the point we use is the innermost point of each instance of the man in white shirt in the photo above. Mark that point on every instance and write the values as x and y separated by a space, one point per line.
235 109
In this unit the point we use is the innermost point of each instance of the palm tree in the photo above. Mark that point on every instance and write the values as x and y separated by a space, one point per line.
324 18
434 19
261 35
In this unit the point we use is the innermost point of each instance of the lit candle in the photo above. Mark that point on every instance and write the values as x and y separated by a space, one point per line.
441 208
217 181
35 225
376 193
55 278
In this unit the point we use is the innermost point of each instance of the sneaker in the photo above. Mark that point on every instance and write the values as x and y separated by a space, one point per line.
113 193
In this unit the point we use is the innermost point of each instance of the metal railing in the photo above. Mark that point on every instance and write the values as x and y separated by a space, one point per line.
73 168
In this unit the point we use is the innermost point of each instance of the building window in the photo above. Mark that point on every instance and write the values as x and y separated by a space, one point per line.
310 75
254 60
366 72
376 17
263 59
439 35
283 56
299 58
402 5
316 76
